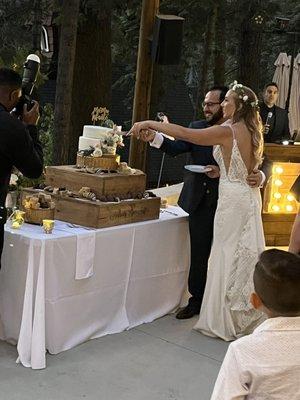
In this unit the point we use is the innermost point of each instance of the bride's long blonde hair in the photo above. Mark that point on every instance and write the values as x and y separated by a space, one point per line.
247 110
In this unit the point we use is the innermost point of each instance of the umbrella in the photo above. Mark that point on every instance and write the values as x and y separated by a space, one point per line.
294 108
282 77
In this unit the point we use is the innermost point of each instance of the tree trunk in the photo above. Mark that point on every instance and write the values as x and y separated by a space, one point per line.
220 44
36 26
206 58
64 83
92 75
142 93
250 47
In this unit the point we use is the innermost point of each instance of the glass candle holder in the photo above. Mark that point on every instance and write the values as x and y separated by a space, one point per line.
17 219
48 225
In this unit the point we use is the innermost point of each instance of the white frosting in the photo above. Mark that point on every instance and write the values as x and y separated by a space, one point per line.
95 132
85 143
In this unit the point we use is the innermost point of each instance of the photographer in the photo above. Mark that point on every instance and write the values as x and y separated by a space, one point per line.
19 144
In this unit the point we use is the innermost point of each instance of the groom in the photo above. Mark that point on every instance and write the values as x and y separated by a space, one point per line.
199 195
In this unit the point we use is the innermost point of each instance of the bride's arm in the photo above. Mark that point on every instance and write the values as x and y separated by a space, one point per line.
205 137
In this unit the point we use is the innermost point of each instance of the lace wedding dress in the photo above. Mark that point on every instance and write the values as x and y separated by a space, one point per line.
238 240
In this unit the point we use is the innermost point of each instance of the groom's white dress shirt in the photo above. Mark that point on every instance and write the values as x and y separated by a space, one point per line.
264 365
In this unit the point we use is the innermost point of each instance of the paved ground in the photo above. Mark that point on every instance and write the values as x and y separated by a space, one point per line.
164 360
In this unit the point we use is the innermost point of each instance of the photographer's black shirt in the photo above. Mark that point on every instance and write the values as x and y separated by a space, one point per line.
19 147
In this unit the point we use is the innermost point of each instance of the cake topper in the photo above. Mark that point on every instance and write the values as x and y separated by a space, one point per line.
100 117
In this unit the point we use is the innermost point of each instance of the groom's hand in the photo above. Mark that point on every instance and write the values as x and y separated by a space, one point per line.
255 179
148 135
214 171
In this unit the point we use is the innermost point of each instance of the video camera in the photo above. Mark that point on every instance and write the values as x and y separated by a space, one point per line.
31 69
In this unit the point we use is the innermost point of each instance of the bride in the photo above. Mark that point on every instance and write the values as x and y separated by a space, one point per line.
238 240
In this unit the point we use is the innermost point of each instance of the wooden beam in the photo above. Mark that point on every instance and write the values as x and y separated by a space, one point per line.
142 93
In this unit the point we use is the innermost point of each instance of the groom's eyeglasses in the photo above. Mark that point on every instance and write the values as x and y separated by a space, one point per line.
208 104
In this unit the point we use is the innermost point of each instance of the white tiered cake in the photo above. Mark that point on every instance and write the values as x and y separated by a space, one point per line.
92 136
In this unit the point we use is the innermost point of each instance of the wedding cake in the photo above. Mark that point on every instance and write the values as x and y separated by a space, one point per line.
92 136
97 145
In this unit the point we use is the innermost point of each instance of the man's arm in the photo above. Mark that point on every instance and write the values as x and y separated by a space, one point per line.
172 147
26 150
229 384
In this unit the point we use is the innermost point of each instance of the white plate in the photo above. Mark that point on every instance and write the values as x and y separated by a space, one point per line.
200 169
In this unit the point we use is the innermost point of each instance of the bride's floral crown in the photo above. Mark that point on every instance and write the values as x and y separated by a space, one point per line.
238 88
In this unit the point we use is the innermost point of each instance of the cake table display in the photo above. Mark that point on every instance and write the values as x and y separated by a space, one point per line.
99 191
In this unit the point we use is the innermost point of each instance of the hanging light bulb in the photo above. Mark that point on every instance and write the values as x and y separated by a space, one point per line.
277 195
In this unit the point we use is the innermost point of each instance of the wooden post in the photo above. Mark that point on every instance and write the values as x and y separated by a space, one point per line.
142 93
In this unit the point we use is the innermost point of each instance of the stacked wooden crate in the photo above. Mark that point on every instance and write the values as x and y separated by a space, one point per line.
100 214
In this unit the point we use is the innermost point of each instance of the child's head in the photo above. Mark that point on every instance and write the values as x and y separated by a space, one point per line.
277 283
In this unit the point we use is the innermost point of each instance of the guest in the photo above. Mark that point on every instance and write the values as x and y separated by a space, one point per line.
294 245
274 118
19 144
266 364
238 233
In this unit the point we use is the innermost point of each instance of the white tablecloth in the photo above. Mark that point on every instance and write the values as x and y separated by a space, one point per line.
139 274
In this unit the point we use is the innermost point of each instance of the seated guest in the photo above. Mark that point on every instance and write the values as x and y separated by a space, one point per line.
274 118
266 364
294 245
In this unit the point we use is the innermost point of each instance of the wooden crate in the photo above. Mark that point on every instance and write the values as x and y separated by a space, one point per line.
102 215
105 184
37 216
107 161
277 228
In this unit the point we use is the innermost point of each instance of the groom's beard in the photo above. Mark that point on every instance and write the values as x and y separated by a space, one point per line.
213 119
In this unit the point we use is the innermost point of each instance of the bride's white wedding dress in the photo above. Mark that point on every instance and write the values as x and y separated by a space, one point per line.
238 240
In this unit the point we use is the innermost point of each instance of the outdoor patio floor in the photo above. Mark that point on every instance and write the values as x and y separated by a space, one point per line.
163 360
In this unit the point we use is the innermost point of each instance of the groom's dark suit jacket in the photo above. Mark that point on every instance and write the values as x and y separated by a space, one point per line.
197 186
199 197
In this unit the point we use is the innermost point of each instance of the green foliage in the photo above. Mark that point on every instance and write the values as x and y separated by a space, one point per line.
46 132
45 128
16 17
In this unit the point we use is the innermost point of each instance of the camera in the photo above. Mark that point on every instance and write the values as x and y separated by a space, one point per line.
31 69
